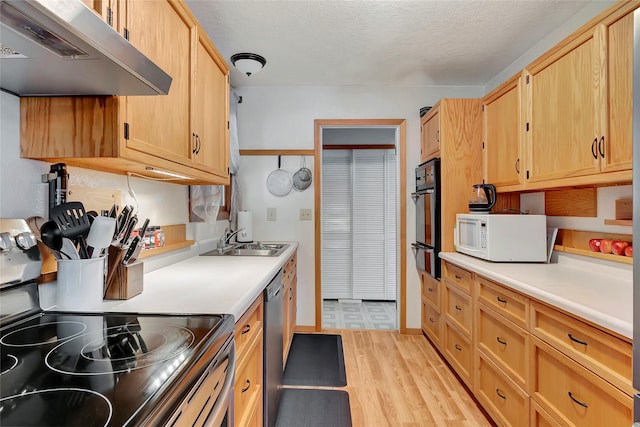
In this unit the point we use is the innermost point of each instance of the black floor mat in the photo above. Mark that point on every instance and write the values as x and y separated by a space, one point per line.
313 408
315 360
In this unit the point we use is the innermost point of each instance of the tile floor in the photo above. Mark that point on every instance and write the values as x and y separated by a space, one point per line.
359 315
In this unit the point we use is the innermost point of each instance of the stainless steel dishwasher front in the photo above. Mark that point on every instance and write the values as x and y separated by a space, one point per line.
273 368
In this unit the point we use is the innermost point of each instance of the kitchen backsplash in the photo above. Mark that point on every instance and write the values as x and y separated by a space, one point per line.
606 197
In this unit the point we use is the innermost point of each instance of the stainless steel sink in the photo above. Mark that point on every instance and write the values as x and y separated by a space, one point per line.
250 249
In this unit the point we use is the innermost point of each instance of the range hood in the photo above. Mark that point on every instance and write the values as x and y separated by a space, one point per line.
61 47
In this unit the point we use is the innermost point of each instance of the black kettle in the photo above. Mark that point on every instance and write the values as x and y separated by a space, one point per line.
483 198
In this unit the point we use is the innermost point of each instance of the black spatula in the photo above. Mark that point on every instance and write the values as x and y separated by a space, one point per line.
72 219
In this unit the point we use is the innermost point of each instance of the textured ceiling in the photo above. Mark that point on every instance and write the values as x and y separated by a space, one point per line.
389 43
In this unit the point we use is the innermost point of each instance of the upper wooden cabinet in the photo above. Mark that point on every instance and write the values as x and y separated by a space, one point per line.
184 133
210 110
103 8
502 127
579 123
430 134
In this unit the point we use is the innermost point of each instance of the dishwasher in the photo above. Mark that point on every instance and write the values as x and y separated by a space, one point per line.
273 370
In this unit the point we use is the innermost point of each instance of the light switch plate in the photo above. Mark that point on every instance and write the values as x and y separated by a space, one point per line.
271 214
305 214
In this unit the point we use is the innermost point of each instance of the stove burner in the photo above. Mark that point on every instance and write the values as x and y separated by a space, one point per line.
8 362
119 349
55 407
43 333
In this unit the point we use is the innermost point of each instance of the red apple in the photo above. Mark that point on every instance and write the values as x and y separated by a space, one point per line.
594 245
617 247
605 246
628 251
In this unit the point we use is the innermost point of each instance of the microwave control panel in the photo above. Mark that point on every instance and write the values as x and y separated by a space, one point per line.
483 235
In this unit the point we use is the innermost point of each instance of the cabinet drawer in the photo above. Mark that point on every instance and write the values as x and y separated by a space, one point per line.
459 276
540 418
457 306
459 352
431 290
248 326
505 343
431 322
509 304
505 401
575 395
248 382
289 269
604 354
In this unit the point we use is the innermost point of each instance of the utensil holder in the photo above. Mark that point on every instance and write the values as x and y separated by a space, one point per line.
80 284
125 282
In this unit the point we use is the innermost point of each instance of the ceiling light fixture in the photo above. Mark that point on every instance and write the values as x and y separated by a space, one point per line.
248 63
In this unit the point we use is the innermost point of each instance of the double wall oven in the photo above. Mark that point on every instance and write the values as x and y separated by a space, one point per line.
427 199
105 369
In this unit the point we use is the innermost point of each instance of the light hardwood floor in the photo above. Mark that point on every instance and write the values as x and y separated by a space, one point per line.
400 380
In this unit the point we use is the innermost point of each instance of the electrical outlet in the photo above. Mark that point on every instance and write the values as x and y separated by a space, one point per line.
271 214
305 214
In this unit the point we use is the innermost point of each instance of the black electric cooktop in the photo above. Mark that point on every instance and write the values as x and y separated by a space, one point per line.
99 369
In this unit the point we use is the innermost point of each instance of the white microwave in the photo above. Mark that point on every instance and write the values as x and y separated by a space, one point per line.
502 238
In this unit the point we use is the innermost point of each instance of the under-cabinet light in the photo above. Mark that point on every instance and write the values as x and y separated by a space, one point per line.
161 172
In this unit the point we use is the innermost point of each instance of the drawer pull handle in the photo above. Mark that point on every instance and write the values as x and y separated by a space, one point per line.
502 301
500 395
430 289
500 341
577 340
247 387
431 320
577 401
246 329
458 308
458 277
458 347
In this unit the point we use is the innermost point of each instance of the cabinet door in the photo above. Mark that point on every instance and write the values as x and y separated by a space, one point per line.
563 128
502 133
159 125
102 8
430 138
210 110
616 147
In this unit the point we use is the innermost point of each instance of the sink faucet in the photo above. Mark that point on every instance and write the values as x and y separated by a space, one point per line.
226 237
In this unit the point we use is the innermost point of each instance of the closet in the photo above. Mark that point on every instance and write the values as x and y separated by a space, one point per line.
359 201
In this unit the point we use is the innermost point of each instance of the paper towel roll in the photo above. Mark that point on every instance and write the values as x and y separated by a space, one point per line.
244 221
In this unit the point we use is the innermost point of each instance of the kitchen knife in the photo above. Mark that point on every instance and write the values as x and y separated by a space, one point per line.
143 229
121 222
130 225
135 243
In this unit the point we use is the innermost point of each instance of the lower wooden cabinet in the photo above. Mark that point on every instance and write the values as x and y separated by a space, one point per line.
431 323
459 352
572 394
289 306
505 343
529 363
507 403
247 393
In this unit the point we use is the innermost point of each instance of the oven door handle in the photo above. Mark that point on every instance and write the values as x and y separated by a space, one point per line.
226 393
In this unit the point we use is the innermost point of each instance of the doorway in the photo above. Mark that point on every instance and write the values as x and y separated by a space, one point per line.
360 241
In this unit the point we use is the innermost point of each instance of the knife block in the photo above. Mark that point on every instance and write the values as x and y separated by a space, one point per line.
125 282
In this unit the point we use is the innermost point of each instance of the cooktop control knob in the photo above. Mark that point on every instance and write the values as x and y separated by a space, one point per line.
6 242
26 240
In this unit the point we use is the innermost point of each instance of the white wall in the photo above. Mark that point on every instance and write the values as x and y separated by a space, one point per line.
283 118
22 194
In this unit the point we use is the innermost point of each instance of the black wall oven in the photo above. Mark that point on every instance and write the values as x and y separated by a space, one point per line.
427 199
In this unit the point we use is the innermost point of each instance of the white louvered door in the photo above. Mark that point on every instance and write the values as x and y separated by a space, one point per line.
359 224
336 224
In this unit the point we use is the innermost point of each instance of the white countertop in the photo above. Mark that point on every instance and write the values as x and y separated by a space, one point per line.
196 285
595 290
